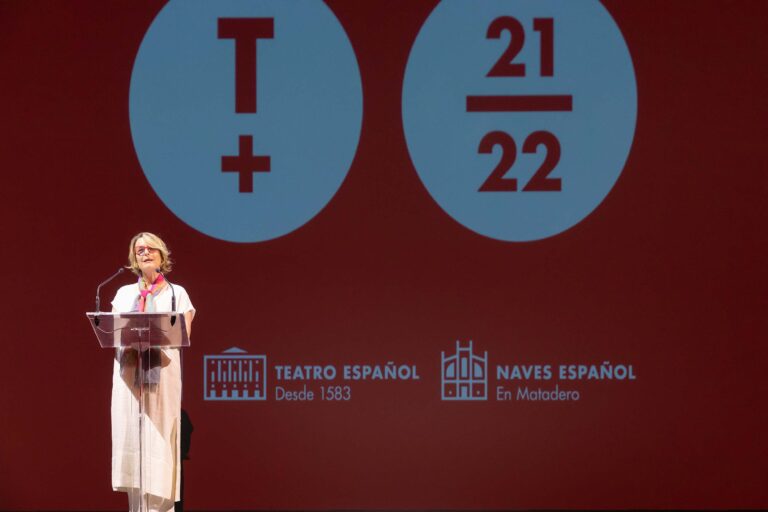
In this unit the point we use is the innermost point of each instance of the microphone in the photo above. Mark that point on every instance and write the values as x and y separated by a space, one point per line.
173 297
98 289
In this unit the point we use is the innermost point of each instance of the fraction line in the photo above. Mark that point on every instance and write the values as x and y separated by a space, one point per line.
520 103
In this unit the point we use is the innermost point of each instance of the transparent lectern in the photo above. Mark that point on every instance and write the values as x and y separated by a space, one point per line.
133 334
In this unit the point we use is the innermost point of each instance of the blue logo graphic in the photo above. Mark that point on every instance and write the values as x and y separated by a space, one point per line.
245 114
235 376
519 115
464 375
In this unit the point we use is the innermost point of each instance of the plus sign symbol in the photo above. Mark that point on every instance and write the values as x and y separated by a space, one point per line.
245 115
245 163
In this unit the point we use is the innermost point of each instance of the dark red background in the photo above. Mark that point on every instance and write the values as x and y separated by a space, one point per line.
667 274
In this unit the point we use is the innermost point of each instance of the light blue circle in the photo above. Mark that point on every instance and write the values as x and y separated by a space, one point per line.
449 61
183 119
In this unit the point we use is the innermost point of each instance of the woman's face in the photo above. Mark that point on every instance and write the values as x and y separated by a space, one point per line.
148 257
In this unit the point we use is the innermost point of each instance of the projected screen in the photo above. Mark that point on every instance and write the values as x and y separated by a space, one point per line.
465 255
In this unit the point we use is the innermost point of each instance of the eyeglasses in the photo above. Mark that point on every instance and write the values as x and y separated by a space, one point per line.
144 249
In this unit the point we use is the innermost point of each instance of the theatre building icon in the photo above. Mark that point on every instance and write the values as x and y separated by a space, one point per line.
235 375
464 374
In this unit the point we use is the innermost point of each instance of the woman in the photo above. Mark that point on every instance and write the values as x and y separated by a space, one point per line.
149 258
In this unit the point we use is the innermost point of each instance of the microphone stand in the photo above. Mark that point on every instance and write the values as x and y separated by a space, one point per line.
98 289
173 298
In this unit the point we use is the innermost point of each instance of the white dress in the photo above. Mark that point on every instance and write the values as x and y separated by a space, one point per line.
162 466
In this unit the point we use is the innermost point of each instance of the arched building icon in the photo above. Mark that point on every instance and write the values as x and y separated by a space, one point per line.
235 375
464 374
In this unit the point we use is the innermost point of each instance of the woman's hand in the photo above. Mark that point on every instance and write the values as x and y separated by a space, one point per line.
188 316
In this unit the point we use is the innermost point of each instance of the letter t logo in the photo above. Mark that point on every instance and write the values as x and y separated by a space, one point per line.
246 32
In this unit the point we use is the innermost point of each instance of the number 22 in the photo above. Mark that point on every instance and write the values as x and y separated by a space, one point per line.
540 182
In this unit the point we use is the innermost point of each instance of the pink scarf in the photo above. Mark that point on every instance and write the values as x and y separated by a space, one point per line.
151 290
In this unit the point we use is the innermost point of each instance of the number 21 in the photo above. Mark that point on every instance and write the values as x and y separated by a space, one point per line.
505 65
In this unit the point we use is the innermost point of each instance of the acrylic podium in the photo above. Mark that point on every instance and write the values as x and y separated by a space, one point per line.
141 333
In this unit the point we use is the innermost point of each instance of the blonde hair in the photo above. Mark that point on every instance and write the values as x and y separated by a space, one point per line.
154 242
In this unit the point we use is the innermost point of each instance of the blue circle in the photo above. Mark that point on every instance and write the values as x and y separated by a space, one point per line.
450 60
183 120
